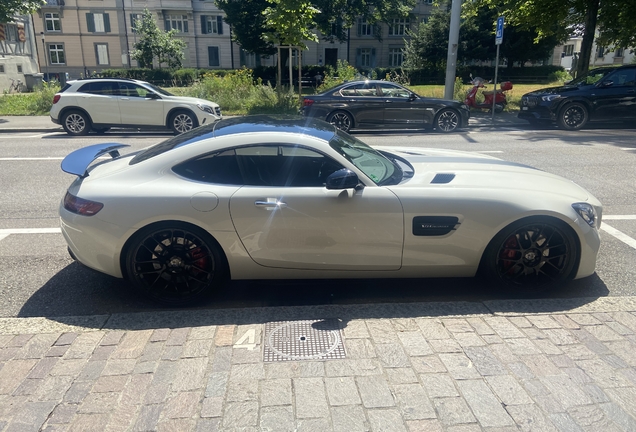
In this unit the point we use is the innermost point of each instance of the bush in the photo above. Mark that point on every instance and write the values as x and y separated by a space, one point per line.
38 102
559 76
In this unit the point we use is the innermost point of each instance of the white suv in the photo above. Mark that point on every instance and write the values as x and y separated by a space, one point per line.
101 103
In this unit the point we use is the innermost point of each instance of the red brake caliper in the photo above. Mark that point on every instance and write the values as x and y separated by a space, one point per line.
511 248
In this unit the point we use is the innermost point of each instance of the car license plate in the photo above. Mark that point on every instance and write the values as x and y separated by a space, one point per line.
524 108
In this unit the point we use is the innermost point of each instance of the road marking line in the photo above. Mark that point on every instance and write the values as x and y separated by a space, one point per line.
619 217
2 236
30 158
489 151
619 235
30 231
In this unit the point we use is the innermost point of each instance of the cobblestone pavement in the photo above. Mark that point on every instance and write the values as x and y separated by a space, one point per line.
525 365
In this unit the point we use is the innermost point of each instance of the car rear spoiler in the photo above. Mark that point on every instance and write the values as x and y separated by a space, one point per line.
78 161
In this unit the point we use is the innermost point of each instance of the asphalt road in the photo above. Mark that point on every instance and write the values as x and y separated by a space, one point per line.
38 278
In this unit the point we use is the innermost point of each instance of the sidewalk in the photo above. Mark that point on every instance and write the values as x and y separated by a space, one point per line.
44 123
493 366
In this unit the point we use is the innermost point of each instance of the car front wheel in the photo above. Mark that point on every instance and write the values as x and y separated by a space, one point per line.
447 120
183 121
76 123
341 120
175 263
573 116
531 255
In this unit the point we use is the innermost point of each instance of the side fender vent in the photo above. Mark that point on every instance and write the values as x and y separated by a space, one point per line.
434 225
442 178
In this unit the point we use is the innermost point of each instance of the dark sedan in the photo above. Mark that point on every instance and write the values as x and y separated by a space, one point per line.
383 104
602 95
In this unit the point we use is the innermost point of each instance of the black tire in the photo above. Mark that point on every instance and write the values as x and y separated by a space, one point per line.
531 256
573 116
101 131
341 119
175 263
499 108
76 123
183 121
447 120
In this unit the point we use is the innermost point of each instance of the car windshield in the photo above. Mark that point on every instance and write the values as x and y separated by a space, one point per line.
591 78
158 90
375 165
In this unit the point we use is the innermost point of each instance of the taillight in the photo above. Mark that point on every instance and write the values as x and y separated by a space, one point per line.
56 98
81 206
307 102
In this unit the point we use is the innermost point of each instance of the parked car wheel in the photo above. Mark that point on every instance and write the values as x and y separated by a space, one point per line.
341 119
573 116
76 123
183 121
447 120
531 255
174 263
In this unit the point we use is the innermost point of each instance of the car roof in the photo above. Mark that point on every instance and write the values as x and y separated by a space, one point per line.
87 80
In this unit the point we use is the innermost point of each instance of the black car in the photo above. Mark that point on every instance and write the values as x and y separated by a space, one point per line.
382 104
604 94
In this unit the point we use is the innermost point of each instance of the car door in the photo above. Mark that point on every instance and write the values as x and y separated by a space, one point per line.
614 98
99 100
402 110
287 218
137 107
364 102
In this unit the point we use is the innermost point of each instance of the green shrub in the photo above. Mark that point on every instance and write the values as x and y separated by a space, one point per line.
460 90
38 102
559 76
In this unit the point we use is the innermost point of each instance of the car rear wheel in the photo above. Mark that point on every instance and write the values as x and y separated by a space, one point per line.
447 120
342 120
76 123
532 255
175 263
573 116
183 121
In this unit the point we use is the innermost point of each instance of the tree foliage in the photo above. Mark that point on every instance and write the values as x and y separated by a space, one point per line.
153 43
617 23
10 8
291 21
249 24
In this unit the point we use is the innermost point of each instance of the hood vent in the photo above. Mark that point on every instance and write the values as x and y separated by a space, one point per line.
434 225
442 178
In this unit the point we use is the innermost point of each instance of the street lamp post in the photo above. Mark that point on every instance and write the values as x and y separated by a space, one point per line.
46 61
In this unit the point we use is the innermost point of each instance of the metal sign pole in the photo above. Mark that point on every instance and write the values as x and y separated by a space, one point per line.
498 41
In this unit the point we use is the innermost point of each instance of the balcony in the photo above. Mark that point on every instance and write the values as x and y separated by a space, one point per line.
54 2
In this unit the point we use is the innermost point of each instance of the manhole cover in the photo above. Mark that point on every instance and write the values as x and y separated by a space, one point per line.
303 340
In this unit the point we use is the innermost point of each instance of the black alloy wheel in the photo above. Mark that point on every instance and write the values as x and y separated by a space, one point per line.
76 123
342 120
531 256
573 116
447 120
174 265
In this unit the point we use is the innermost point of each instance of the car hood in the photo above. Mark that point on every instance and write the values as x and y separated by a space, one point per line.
190 100
553 90
465 170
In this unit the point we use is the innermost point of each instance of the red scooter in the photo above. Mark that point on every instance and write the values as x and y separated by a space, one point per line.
500 98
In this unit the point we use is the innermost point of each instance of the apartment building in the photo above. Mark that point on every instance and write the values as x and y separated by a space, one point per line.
17 51
601 56
86 36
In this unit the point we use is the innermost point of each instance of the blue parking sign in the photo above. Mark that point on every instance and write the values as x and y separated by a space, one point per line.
499 33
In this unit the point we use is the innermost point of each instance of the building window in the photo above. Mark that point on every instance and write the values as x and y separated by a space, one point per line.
135 21
250 60
425 19
618 53
568 50
396 57
19 68
52 22
56 54
212 24
365 57
213 56
10 32
177 22
1 68
364 28
398 27
600 51
98 22
101 54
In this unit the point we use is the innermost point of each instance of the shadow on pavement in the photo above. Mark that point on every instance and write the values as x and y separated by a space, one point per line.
76 292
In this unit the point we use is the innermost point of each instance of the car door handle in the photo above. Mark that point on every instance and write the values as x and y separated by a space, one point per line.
273 203
388 101
125 98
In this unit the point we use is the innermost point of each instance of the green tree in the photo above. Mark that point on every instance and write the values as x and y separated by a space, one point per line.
249 25
154 44
290 22
10 8
617 24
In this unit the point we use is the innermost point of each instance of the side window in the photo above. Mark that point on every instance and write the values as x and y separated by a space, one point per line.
362 89
391 90
623 78
284 166
132 90
218 168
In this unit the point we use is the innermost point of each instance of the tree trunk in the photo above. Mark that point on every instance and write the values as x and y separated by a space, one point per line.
588 37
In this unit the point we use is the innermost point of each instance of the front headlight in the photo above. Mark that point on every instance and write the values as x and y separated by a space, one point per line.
550 98
587 212
206 108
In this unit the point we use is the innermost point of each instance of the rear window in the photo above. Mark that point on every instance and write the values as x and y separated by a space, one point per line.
66 87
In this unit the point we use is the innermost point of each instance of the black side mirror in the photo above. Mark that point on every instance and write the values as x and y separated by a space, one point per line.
412 96
607 83
151 95
342 179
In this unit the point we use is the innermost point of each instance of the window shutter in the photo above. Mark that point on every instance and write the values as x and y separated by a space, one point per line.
258 60
242 57
133 23
359 27
90 22
204 24
166 24
219 24
185 26
213 56
372 57
358 57
106 23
